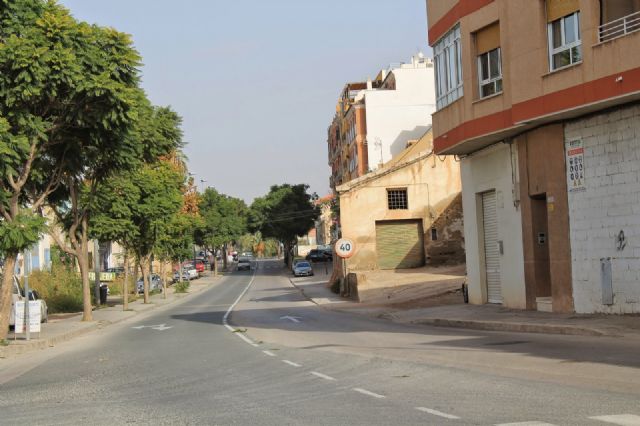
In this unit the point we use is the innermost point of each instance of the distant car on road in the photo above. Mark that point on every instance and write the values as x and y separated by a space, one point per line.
316 256
303 269
244 263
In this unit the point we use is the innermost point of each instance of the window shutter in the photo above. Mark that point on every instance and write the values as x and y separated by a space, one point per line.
488 38
557 9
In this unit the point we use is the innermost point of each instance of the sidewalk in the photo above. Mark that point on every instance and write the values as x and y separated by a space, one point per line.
450 311
64 327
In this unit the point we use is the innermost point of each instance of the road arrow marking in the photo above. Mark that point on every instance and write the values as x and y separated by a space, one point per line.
159 327
292 319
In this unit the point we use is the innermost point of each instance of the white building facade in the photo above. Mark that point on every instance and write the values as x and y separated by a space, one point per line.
400 110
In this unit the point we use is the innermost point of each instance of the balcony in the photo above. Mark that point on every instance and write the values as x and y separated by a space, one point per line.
620 27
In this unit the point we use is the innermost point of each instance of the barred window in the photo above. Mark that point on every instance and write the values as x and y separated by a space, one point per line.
397 199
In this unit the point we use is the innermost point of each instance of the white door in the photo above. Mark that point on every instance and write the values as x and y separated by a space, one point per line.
491 248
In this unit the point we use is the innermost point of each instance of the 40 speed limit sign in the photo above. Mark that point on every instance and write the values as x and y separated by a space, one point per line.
345 248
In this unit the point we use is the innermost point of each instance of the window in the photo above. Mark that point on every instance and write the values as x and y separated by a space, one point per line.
397 199
448 58
489 60
434 234
490 73
565 45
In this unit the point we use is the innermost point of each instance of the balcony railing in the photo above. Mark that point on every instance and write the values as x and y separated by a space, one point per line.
620 27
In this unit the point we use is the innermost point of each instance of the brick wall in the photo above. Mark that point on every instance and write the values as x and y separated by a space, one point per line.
609 204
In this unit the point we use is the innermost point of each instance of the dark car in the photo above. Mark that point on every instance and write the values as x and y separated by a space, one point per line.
316 256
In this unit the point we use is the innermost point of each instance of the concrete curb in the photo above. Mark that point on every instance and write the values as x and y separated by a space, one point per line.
515 327
84 328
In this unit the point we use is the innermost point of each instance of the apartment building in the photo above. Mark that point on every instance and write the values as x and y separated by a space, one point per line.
375 119
540 101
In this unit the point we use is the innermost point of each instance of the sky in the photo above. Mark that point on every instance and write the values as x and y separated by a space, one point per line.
257 81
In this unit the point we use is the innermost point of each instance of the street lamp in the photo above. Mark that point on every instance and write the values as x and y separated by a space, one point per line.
202 181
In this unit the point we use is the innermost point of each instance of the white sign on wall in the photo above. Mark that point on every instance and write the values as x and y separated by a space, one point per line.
575 165
35 316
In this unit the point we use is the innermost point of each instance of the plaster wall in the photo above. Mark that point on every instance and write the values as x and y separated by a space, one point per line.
493 169
432 185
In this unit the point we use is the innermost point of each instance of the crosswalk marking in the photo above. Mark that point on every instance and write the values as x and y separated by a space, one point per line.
620 419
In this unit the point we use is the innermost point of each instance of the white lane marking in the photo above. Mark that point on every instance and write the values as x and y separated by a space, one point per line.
534 423
620 419
290 318
268 353
369 393
322 376
291 363
437 413
225 318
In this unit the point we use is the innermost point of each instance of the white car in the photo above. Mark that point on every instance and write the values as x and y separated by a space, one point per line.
17 295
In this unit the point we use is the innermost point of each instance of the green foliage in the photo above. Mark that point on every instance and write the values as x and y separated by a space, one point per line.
285 213
181 287
61 288
175 243
224 219
20 233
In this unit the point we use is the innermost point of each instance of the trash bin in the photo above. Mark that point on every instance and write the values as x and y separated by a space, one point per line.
104 290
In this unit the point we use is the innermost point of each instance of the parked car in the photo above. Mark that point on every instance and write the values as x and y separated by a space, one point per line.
244 263
294 262
316 256
155 283
191 270
18 295
303 269
199 265
185 276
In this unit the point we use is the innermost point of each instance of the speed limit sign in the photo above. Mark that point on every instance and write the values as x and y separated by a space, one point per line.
345 248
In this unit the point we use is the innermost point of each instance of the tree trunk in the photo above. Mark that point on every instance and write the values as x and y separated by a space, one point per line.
224 257
82 254
6 294
83 264
163 278
144 268
215 264
125 285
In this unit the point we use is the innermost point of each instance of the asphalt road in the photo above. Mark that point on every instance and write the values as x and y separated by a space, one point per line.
282 360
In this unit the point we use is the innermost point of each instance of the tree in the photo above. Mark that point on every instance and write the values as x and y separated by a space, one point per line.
285 213
68 91
224 219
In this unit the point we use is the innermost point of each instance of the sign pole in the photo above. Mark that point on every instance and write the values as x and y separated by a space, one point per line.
96 271
27 317
344 248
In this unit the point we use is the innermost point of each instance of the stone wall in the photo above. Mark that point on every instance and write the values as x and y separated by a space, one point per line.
448 246
607 209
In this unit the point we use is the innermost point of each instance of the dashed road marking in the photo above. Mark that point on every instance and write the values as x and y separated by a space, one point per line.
268 353
437 413
620 419
291 363
534 423
225 318
369 393
322 376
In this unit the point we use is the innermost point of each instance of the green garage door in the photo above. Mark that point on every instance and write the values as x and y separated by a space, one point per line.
400 244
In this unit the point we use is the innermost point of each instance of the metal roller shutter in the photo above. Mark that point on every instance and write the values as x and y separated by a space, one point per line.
400 244
491 249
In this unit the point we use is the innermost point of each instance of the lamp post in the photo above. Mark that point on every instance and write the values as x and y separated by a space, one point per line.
202 181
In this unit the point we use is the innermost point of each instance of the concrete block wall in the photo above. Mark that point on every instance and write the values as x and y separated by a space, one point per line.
610 204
